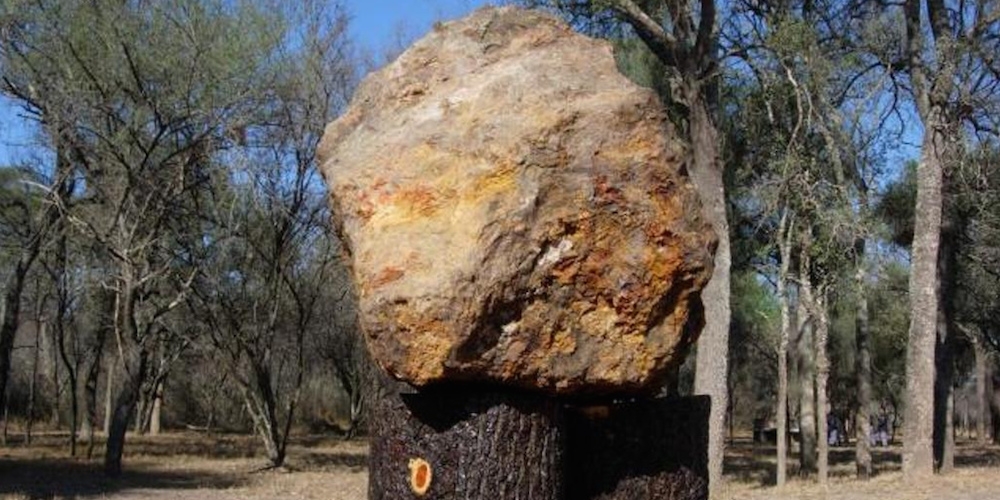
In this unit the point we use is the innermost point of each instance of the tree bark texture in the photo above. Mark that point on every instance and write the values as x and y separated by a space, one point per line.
135 363
124 409
822 376
944 437
92 372
807 379
155 416
476 444
33 383
993 406
109 387
863 371
983 405
712 363
918 450
781 412
648 449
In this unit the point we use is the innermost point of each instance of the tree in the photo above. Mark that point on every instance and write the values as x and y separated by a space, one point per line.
942 61
143 96
271 259
32 227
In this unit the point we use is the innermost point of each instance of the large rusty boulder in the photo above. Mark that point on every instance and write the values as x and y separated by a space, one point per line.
517 212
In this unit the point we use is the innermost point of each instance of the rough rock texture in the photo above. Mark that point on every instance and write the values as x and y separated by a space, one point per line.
517 212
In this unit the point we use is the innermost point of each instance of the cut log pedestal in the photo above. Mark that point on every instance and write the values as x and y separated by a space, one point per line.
644 449
466 444
498 444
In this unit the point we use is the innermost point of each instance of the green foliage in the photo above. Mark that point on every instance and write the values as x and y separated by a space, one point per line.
890 319
896 207
753 347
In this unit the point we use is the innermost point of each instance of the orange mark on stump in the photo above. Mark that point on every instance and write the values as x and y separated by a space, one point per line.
420 476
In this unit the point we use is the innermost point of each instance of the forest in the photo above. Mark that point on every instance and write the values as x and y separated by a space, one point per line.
169 265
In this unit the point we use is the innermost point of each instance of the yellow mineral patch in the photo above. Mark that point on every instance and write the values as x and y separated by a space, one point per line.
429 346
500 180
564 343
600 320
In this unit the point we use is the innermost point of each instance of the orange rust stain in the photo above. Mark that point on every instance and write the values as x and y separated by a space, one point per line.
386 276
565 271
418 200
606 193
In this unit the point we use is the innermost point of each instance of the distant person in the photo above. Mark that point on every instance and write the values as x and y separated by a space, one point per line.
832 429
881 430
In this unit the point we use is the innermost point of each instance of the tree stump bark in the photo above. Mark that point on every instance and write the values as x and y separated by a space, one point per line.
464 443
470 443
646 449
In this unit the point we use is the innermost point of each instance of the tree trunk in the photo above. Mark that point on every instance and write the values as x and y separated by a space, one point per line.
62 306
781 412
10 310
944 391
472 444
6 421
135 364
108 390
983 404
92 372
713 344
944 397
822 376
120 420
90 395
807 379
261 404
55 420
863 371
124 410
33 383
993 403
155 415
636 450
918 449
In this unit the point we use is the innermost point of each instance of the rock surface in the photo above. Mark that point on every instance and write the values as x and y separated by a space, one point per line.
515 211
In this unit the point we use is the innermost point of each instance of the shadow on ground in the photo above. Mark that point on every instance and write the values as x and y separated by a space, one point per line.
62 478
749 462
181 461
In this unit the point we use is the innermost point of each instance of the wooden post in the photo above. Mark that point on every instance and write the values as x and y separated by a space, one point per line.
466 443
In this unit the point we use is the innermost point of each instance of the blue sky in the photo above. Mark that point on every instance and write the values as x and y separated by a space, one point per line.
375 23
375 26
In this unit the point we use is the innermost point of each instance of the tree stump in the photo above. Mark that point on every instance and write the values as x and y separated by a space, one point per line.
464 443
645 449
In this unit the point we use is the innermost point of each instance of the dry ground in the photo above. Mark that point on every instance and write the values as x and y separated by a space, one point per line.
190 466
750 473
187 466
